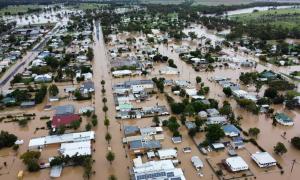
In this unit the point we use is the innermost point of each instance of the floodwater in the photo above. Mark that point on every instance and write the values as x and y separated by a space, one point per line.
268 137
250 10
61 16
249 120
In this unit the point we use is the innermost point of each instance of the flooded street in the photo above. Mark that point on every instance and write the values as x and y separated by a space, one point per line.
120 167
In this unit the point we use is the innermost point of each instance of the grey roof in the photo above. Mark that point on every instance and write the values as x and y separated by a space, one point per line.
66 109
27 103
131 130
88 85
190 124
138 144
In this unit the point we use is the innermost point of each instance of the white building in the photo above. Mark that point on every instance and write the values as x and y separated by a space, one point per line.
169 71
121 73
154 170
167 154
197 162
263 159
81 148
236 164
40 142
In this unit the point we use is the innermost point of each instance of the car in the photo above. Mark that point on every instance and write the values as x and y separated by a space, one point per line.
187 149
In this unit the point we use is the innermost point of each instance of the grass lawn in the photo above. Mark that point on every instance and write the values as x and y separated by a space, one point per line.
19 8
285 17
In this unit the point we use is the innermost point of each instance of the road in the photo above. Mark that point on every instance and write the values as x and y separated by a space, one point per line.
101 72
22 64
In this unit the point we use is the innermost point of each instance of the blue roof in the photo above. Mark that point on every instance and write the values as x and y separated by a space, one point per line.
229 128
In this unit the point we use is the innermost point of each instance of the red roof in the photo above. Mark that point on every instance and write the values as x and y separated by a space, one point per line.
67 119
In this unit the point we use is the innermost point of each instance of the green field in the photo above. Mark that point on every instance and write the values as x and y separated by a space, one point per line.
285 17
85 6
197 2
20 8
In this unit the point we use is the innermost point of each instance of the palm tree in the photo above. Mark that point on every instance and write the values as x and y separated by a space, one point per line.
108 137
110 156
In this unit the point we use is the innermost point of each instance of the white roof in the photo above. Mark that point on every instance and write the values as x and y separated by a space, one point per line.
263 158
191 92
218 145
79 148
54 139
197 162
236 163
55 171
121 72
167 152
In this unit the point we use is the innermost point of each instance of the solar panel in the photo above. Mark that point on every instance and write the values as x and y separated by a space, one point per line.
170 174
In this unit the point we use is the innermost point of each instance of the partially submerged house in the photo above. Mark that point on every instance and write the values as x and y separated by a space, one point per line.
236 163
263 159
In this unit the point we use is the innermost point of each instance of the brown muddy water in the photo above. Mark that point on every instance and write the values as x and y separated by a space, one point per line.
268 137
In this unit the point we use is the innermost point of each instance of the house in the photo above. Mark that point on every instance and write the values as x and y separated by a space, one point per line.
142 146
167 154
212 112
268 75
216 120
238 142
64 120
85 109
55 139
202 114
121 73
230 130
176 140
218 146
197 163
8 100
87 87
163 169
87 76
190 125
169 71
191 91
27 104
283 119
263 159
65 109
150 131
81 148
236 164
42 78
131 130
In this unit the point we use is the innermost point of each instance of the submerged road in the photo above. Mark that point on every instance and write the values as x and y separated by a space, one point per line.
101 72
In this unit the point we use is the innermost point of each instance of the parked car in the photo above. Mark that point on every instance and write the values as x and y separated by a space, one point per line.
187 149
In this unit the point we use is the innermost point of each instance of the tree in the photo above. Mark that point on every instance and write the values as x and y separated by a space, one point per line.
271 93
108 137
110 156
112 177
254 132
192 35
53 90
156 120
75 124
90 54
173 124
88 127
198 79
192 132
106 122
105 108
227 91
30 158
296 142
280 148
7 139
214 133
61 129
102 82
104 100
40 94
